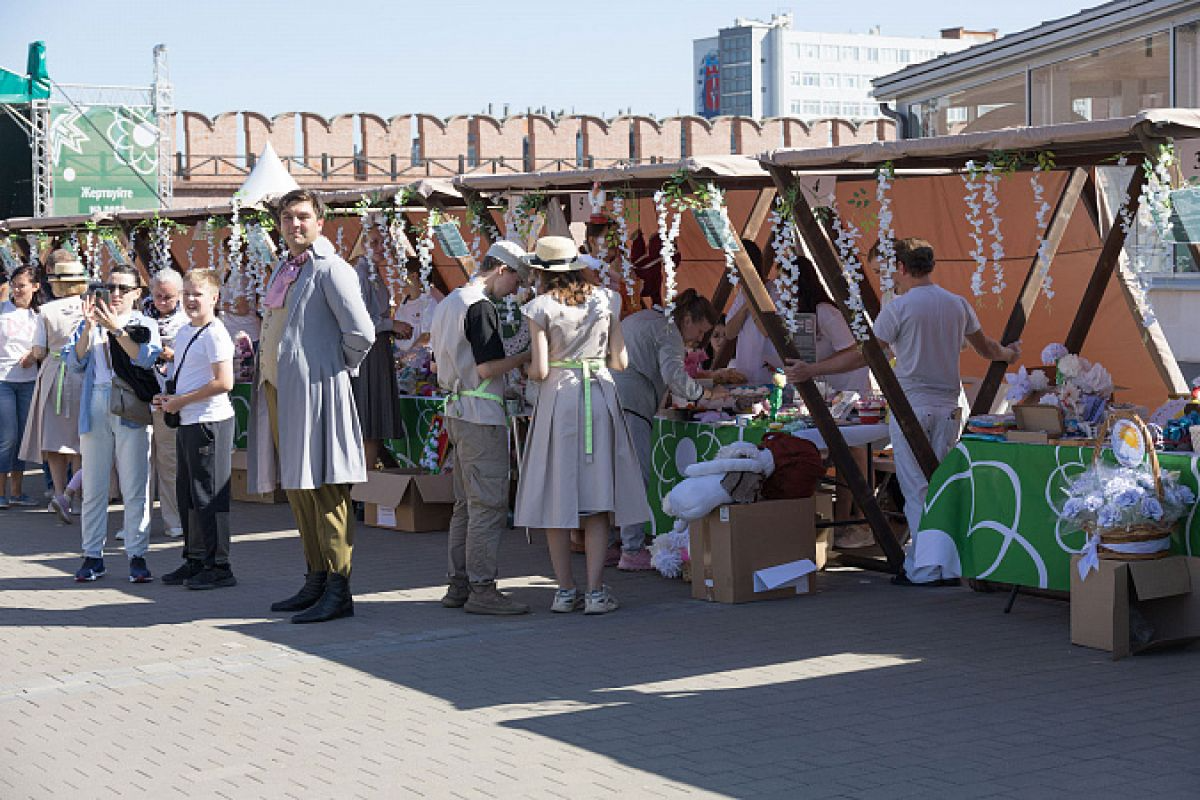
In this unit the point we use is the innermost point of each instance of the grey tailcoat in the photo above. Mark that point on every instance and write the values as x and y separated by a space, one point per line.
328 334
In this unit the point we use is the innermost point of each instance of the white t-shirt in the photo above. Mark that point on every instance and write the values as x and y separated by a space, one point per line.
834 336
102 372
419 314
926 328
18 334
212 347
754 356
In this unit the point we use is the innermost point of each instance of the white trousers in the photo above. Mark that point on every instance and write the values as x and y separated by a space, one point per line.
943 425
111 443
164 470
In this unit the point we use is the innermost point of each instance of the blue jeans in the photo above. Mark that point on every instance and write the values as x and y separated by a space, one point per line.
109 442
14 410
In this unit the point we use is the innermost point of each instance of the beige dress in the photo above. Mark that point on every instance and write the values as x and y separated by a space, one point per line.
53 425
560 482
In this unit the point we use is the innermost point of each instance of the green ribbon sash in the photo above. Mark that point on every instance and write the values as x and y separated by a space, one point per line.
587 366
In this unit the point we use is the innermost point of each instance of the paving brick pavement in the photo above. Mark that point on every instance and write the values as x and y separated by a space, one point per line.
864 691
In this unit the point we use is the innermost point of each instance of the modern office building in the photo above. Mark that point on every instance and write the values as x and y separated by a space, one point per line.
1109 61
766 69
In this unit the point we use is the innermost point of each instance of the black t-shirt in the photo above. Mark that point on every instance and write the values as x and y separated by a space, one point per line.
483 332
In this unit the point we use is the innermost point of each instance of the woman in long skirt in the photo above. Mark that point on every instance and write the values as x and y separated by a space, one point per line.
579 470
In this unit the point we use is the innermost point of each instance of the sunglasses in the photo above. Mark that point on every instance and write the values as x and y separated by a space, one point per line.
120 288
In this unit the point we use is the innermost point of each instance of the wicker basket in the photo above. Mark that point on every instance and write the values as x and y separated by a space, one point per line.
1146 532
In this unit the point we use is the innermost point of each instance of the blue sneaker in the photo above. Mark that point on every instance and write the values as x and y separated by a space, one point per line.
92 569
138 572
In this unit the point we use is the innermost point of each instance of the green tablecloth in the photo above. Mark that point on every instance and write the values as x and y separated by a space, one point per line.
416 415
995 501
678 445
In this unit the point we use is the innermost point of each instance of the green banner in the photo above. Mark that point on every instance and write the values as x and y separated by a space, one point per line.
996 501
678 445
103 159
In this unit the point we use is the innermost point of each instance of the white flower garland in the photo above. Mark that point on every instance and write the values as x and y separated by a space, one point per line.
887 234
1139 285
991 200
1156 192
7 257
479 228
114 253
429 453
618 205
160 246
91 247
975 221
392 253
425 254
783 242
847 236
340 244
1041 212
668 232
210 240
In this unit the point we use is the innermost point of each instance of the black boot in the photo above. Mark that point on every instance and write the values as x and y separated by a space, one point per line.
314 587
335 603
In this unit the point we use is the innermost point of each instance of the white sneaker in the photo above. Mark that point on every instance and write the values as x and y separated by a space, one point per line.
600 601
566 601
174 533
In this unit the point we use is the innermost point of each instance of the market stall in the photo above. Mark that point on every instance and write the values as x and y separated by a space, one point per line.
703 209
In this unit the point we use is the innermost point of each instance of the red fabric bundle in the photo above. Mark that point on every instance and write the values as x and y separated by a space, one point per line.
798 467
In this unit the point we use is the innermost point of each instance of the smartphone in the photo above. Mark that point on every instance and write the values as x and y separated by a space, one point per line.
101 293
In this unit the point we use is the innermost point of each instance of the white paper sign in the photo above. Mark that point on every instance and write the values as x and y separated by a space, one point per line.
385 516
793 573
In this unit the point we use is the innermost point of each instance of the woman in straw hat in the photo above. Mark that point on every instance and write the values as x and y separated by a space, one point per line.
580 470
52 430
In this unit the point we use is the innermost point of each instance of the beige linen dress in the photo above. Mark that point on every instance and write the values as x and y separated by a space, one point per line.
53 424
559 482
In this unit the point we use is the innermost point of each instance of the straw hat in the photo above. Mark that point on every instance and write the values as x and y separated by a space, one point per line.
556 254
68 272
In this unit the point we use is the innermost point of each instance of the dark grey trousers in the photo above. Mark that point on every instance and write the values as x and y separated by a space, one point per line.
202 487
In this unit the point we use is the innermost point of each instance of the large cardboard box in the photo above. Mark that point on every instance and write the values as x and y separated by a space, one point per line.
406 500
1129 607
239 488
732 542
823 500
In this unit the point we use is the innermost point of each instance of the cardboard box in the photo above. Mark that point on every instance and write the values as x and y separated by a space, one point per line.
239 480
823 502
732 542
406 500
1130 607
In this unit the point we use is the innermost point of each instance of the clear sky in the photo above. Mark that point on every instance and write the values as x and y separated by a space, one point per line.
593 56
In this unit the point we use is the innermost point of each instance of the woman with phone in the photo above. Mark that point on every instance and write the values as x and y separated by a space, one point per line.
197 404
110 322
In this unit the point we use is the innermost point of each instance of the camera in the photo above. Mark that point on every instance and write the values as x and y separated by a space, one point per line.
171 418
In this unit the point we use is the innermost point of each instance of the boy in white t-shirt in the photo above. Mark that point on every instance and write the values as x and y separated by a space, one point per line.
198 393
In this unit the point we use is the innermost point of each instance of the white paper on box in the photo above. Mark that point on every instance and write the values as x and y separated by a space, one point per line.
386 517
793 573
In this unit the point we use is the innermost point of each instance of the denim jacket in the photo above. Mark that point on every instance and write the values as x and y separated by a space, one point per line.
146 356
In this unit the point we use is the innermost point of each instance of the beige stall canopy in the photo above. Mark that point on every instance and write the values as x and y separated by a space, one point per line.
1086 249
1073 143
733 171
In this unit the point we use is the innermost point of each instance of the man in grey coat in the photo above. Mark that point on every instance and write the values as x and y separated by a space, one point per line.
304 430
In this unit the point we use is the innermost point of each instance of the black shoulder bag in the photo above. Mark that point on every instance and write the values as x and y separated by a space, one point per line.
171 418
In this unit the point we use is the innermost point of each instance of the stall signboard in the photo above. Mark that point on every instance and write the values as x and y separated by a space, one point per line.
104 159
450 240
805 337
716 229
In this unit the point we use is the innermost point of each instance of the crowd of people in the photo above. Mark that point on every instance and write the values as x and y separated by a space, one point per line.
98 382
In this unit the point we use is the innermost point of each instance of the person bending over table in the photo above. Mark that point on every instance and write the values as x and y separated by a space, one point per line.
925 327
656 346
833 339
